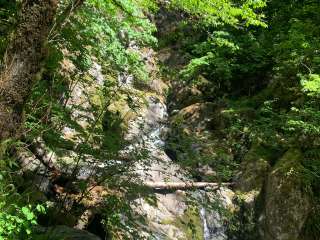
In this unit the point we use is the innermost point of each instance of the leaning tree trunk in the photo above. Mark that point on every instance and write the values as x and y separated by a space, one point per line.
22 63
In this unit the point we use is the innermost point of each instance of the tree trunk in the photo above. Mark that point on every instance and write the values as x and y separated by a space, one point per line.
184 185
23 62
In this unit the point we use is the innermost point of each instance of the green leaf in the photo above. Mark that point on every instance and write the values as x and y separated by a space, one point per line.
29 215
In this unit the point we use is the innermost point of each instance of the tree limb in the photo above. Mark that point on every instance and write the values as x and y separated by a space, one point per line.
184 185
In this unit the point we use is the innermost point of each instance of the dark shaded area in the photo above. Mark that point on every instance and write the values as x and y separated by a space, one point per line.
96 227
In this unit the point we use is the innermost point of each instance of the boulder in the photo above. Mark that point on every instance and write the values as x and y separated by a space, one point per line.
186 96
195 117
254 169
287 204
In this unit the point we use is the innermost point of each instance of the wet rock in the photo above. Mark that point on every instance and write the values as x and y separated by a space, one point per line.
287 205
215 228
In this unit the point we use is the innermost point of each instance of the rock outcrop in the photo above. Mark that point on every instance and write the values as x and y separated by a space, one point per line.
287 204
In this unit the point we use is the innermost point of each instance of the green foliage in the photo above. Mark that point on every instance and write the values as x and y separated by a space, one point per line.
270 75
311 164
70 107
104 33
105 30
295 33
216 40
98 32
17 223
223 12
311 84
17 214
276 59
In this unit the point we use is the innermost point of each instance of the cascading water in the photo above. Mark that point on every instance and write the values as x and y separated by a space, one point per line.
147 131
206 231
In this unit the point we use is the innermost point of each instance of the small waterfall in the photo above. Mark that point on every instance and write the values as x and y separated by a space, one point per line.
212 219
206 231
146 131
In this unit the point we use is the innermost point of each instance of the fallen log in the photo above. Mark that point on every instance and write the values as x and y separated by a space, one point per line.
47 157
184 185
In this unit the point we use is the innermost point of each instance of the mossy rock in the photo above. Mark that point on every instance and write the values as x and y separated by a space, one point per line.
287 204
186 96
122 111
63 233
194 117
56 217
311 229
243 223
189 223
254 168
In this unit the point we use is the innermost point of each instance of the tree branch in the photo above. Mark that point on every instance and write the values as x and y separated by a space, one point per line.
185 185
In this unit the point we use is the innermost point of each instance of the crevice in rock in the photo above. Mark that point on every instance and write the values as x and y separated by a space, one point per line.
96 227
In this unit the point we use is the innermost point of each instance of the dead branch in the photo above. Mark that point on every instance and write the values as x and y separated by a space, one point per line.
185 185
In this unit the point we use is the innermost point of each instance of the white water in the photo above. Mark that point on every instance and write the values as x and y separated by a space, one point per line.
147 131
206 231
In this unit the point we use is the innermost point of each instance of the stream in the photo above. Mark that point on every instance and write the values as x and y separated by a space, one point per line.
172 211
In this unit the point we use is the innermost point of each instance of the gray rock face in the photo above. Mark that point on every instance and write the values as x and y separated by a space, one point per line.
65 233
286 204
212 220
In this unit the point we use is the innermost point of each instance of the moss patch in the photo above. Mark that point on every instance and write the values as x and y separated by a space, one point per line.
190 223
